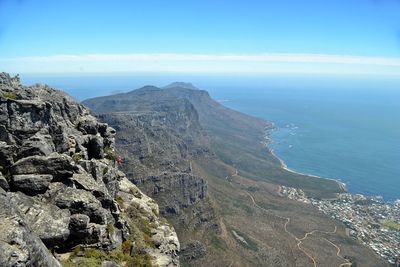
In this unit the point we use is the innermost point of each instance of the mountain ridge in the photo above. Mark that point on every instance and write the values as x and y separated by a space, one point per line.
244 220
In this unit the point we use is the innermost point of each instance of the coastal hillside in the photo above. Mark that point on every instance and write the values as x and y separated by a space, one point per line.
218 184
63 201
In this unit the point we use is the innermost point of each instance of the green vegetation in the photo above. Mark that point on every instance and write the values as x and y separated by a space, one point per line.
135 192
110 229
94 257
250 244
253 189
139 261
391 224
120 201
155 211
77 157
140 227
126 247
105 170
110 154
149 242
238 203
166 222
218 243
10 95
257 163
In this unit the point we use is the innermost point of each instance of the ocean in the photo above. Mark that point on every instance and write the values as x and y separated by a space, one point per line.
347 131
350 135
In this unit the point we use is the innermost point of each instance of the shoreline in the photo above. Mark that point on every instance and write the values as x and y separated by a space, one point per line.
268 140
341 185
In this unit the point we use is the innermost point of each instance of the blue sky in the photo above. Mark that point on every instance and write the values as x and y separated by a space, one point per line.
352 37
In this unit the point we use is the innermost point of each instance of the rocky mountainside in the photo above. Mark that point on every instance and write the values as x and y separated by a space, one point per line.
63 199
158 138
216 181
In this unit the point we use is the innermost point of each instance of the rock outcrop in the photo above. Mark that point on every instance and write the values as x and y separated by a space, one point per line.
62 195
157 147
159 136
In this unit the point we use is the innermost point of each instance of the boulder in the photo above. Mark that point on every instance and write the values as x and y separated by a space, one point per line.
88 125
31 184
79 223
39 144
109 264
96 147
60 166
19 246
7 153
4 183
88 183
82 201
48 221
27 116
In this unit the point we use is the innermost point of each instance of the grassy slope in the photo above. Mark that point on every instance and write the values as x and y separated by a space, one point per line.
263 228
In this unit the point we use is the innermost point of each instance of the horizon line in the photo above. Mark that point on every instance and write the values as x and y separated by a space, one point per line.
252 57
261 63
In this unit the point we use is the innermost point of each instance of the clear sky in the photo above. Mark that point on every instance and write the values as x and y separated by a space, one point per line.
349 37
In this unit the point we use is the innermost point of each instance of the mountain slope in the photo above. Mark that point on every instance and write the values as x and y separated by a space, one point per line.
243 220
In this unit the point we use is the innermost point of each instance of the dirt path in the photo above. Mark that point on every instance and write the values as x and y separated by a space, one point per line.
306 235
347 263
286 230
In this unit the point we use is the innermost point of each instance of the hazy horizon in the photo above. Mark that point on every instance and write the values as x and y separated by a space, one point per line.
345 38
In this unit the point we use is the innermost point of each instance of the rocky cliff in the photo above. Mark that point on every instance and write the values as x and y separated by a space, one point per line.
159 136
63 199
157 145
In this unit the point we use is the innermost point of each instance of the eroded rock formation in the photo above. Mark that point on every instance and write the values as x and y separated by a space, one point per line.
61 190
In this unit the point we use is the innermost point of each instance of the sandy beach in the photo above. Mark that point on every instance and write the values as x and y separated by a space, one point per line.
285 167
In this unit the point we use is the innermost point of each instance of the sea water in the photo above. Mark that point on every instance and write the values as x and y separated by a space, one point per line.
349 132
352 135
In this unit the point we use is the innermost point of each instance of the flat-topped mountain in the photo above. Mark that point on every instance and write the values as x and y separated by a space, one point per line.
209 169
181 85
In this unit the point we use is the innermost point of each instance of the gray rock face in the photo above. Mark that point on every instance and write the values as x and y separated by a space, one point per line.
19 246
159 135
3 182
193 250
175 191
48 221
58 179
58 165
81 201
31 184
157 147
37 145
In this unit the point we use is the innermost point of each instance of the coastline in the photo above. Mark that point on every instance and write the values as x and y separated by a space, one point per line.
268 139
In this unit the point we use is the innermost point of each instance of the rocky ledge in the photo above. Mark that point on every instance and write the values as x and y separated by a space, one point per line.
63 200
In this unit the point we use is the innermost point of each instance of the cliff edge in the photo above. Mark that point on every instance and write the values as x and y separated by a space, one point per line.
63 200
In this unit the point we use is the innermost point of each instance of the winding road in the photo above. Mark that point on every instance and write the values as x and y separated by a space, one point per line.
300 240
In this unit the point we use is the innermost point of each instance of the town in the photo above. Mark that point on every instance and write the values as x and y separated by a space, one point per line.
372 221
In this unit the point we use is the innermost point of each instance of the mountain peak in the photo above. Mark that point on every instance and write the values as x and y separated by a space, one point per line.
181 85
